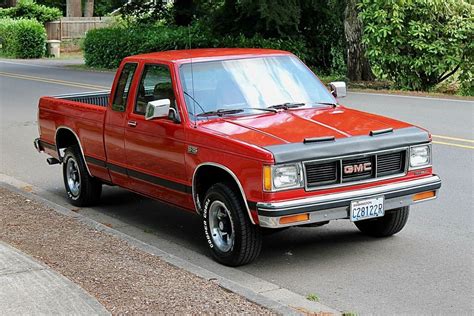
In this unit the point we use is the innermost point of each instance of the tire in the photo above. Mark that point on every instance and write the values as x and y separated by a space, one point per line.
232 239
81 188
392 222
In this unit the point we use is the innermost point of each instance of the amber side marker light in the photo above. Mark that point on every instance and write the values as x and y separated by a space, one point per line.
267 178
424 195
294 218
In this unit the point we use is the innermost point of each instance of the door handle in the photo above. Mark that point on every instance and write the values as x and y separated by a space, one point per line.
132 123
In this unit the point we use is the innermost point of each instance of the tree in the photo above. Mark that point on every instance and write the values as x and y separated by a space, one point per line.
73 8
144 11
419 43
183 12
89 8
358 67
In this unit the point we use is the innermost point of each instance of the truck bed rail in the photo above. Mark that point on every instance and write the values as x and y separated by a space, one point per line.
100 98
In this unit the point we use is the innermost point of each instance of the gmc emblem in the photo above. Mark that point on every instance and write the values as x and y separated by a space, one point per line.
361 167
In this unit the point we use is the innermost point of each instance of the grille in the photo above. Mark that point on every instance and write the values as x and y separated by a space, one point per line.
392 163
366 174
332 172
323 173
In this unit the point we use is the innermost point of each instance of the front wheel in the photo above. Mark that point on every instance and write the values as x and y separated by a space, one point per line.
391 223
81 188
231 237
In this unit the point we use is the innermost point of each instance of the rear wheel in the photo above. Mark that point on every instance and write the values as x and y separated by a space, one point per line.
231 237
391 223
81 188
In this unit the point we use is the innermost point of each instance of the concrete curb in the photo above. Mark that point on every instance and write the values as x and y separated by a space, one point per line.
274 297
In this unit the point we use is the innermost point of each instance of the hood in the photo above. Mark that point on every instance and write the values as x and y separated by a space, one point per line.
293 126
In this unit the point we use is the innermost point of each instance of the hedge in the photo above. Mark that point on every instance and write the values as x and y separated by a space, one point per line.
106 47
29 9
22 38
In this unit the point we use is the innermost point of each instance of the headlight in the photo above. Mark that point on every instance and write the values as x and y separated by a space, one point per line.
282 177
420 156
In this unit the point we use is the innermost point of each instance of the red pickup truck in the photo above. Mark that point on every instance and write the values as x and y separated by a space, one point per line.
249 139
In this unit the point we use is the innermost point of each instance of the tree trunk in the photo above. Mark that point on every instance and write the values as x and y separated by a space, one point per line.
73 8
358 67
89 8
11 3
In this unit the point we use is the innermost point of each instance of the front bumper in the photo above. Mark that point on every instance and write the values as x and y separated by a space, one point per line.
336 206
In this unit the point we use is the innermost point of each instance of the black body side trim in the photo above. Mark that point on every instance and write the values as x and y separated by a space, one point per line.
346 146
96 161
44 144
345 203
141 176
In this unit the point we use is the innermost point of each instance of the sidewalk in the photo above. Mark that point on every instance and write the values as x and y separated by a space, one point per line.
123 278
28 287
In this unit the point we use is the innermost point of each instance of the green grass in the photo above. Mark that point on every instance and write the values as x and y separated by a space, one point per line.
312 297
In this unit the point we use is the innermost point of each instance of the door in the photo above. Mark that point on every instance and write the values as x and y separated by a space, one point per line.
155 149
114 130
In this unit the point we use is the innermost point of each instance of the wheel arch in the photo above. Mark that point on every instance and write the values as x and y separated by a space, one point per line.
200 185
66 137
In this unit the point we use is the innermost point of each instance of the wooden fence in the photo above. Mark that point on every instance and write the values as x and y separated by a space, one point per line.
73 27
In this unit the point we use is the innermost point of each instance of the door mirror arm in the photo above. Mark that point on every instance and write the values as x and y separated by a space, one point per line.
174 116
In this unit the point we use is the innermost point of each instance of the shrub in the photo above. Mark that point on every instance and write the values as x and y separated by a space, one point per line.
22 38
29 9
106 47
419 43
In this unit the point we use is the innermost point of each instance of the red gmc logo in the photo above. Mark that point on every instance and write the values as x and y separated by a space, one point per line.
361 167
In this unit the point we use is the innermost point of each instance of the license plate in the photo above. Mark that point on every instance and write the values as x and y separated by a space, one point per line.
368 208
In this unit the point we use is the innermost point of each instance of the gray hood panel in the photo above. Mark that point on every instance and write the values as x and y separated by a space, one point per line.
346 146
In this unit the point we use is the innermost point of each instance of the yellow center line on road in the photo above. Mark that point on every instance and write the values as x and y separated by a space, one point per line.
54 81
454 138
454 145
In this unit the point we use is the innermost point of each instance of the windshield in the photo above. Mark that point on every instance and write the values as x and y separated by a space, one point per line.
250 83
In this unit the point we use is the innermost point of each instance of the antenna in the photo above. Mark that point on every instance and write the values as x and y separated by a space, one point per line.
192 78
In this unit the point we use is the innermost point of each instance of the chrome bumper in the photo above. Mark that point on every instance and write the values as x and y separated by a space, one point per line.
336 206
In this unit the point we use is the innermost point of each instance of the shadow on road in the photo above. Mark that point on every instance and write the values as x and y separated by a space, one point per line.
331 242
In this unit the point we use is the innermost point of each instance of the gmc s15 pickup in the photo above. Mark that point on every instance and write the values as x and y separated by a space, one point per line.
249 139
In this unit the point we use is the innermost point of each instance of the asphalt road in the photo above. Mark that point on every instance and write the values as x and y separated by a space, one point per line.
428 268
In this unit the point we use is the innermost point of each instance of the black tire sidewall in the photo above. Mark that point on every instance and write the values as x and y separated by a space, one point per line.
218 195
70 154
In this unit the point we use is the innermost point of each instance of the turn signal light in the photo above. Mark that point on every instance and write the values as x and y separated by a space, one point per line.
267 178
424 195
294 218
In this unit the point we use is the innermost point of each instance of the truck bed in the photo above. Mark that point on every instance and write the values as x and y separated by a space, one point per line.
100 98
81 114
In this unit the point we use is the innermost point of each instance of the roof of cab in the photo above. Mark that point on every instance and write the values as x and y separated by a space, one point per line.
185 55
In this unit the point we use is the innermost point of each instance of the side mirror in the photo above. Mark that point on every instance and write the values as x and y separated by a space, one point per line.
157 109
338 89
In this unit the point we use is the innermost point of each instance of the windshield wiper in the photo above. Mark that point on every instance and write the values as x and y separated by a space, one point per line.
326 103
262 109
220 112
287 105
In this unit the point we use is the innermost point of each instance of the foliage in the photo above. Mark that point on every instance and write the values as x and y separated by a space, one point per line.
22 38
319 23
29 9
108 46
104 7
144 12
419 43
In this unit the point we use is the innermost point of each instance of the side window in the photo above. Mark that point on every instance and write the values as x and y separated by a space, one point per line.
123 86
155 84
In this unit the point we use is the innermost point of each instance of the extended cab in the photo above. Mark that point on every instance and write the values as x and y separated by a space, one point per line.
249 139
